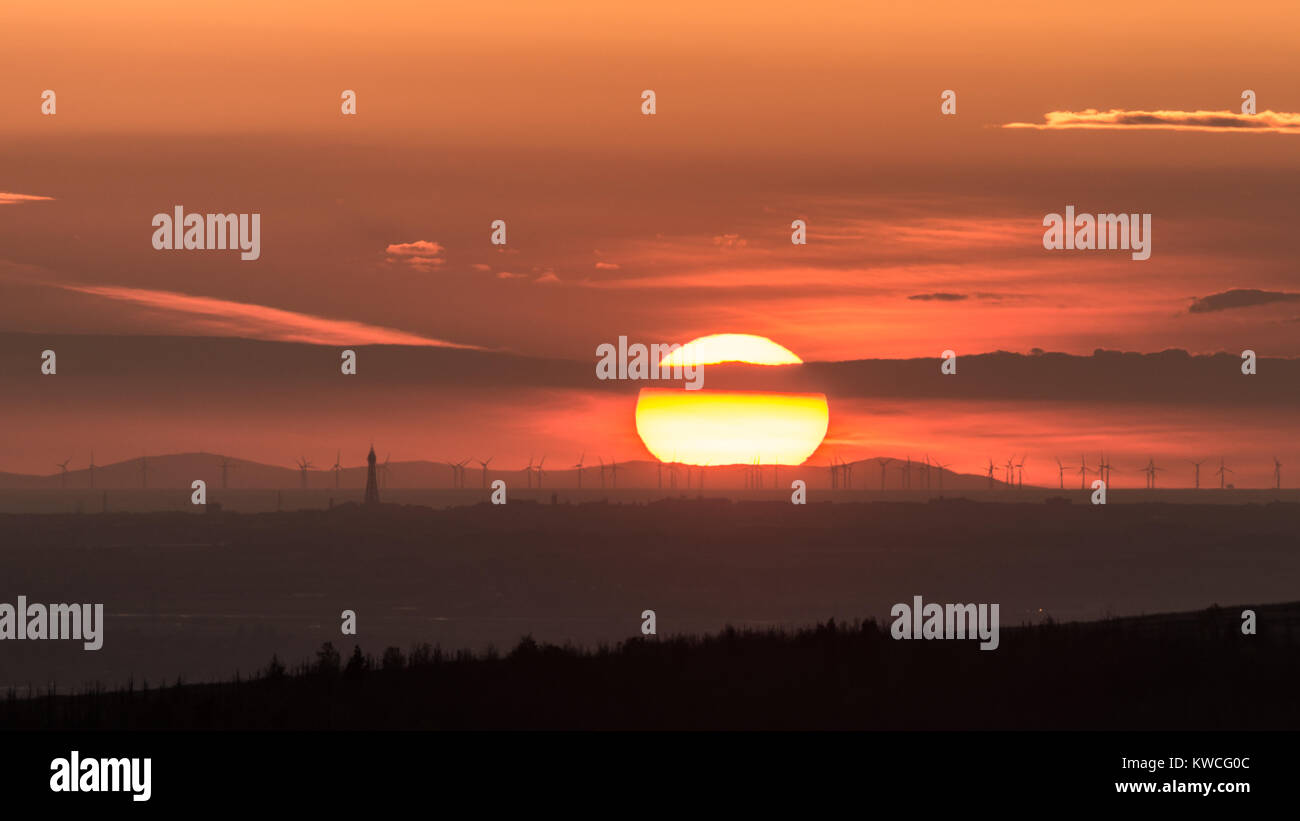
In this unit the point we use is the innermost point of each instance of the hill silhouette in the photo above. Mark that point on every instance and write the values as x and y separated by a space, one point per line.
178 470
1159 672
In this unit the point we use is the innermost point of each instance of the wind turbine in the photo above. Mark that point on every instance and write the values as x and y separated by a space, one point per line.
528 472
460 471
484 465
992 467
337 468
884 463
1223 472
925 471
225 465
1198 473
613 472
1020 472
1060 466
1103 468
92 469
1277 474
1151 466
941 468
1011 472
63 473
579 467
1083 472
835 474
303 464
540 472
602 471
847 467
383 471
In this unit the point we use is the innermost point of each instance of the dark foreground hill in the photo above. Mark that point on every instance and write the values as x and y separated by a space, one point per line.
1181 671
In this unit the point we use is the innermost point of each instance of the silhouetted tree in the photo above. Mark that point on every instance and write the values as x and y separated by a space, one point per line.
421 655
527 648
392 659
357 663
328 660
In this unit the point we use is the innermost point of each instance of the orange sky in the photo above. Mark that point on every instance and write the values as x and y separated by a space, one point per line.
924 230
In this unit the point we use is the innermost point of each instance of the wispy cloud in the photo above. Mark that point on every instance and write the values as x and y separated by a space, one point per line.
7 198
1275 122
1240 298
939 297
210 316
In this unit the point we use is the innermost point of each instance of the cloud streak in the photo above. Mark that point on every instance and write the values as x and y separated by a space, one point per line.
1267 122
1240 298
7 198
220 317
938 297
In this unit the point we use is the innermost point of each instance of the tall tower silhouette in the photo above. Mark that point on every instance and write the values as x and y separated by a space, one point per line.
372 487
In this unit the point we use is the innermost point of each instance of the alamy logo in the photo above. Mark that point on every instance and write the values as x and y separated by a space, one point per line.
84 622
208 232
133 775
1103 232
638 361
946 621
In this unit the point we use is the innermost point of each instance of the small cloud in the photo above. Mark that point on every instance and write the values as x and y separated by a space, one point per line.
481 266
1239 298
607 266
421 255
1276 122
547 278
419 248
939 297
730 241
424 264
7 198
508 275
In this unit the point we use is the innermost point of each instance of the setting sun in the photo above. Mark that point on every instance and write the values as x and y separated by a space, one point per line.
718 348
731 427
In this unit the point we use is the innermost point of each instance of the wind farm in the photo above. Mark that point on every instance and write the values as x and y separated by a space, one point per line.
163 481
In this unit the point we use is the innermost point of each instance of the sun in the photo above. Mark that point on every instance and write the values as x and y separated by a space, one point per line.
731 427
718 348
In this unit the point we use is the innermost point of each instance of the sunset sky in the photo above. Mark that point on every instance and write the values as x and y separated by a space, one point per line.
925 231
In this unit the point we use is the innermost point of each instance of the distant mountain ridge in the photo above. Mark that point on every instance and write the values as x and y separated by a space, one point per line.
181 469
